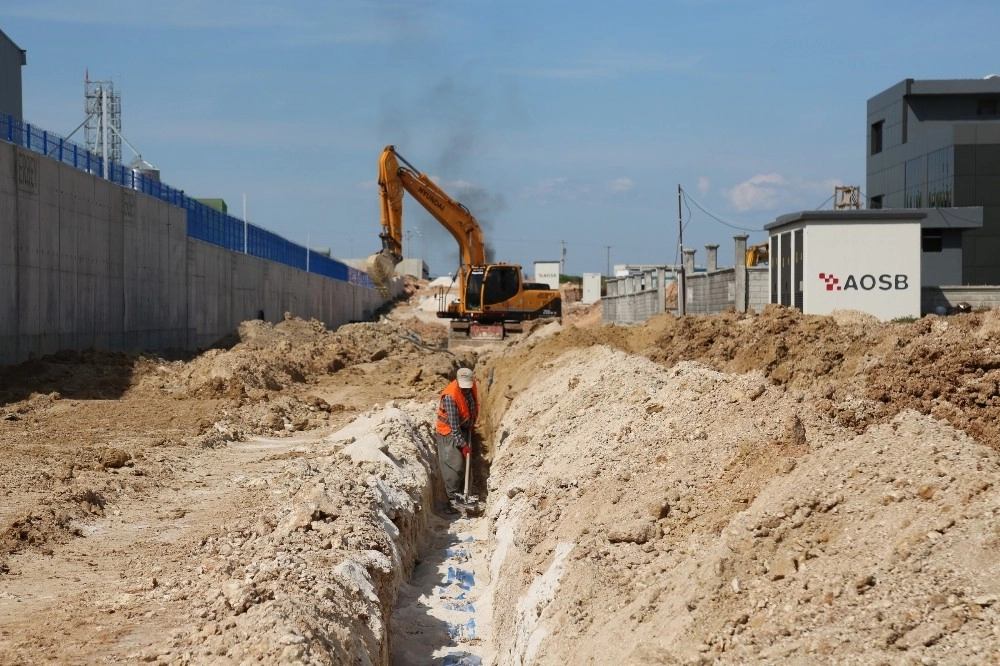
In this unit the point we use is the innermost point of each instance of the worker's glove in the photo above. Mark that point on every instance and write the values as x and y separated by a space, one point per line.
466 450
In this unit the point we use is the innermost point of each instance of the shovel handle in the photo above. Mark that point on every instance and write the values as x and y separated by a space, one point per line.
467 465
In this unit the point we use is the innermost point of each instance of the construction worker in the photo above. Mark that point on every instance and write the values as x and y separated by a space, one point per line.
458 410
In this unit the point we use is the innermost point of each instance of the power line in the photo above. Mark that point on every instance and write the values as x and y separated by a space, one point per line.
825 202
715 217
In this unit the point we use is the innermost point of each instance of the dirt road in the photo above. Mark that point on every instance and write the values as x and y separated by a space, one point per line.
768 488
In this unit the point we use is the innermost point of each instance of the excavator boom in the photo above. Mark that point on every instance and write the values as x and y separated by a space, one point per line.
393 181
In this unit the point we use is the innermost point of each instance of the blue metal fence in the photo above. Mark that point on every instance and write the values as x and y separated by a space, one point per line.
204 222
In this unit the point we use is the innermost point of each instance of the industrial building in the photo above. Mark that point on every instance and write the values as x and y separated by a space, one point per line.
12 59
935 144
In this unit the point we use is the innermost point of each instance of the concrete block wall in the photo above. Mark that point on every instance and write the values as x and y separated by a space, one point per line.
709 293
631 308
979 297
85 263
634 299
758 287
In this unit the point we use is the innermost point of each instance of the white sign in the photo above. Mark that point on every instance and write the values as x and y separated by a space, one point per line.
870 267
547 272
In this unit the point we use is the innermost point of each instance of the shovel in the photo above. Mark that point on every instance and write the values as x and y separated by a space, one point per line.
470 503
468 465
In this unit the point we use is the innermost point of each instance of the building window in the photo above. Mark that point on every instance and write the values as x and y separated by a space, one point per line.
877 137
930 240
875 202
986 107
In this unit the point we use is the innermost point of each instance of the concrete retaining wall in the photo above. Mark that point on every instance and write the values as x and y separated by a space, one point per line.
84 263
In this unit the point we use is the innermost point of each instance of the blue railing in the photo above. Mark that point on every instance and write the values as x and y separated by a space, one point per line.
204 222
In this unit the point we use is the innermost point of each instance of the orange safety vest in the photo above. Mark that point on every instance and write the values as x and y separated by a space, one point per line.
455 392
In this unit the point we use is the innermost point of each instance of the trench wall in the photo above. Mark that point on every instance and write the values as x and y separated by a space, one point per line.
86 264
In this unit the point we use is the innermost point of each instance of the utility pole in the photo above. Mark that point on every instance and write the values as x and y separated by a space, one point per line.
681 286
608 248
562 259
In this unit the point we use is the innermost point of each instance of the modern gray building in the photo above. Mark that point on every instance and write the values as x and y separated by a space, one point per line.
936 144
12 59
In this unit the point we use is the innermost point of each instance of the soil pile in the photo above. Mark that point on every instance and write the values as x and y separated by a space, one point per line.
645 514
759 488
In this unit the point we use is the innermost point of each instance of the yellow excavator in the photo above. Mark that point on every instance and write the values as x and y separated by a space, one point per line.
493 299
758 254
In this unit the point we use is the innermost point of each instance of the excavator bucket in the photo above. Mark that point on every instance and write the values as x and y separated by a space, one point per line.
380 268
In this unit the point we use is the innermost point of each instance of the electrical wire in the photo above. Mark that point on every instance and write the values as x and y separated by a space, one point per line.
714 216
825 202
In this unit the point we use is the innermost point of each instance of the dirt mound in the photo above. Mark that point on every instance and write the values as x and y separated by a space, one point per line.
652 514
758 488
860 371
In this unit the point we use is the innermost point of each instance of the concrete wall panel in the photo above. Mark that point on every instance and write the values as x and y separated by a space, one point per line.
8 249
85 263
8 182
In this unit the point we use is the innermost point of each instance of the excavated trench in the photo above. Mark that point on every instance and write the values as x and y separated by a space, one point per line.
437 599
442 614
642 514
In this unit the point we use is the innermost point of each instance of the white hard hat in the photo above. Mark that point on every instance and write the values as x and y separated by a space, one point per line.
464 378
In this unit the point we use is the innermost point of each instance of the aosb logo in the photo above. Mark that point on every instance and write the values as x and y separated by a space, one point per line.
866 282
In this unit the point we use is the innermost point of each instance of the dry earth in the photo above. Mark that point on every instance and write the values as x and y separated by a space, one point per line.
761 488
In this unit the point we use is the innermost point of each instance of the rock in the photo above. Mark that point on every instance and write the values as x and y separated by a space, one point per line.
783 566
113 458
299 518
864 583
795 433
635 531
369 447
239 596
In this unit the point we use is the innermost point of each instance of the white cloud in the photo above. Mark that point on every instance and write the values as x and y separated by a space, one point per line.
759 193
772 191
703 186
620 185
290 23
606 63
567 189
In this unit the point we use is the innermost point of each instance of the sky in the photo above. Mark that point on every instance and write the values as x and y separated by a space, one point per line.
566 128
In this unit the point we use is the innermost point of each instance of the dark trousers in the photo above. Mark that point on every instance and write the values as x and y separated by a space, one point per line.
451 462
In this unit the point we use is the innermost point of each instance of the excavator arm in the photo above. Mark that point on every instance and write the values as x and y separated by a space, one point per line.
393 181
758 254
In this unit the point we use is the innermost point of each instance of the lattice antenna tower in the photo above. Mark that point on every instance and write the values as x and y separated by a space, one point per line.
103 127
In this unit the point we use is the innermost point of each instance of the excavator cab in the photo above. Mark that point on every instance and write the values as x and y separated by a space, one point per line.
502 284
492 285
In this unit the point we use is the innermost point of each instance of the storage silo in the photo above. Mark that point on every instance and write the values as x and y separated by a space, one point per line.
141 167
